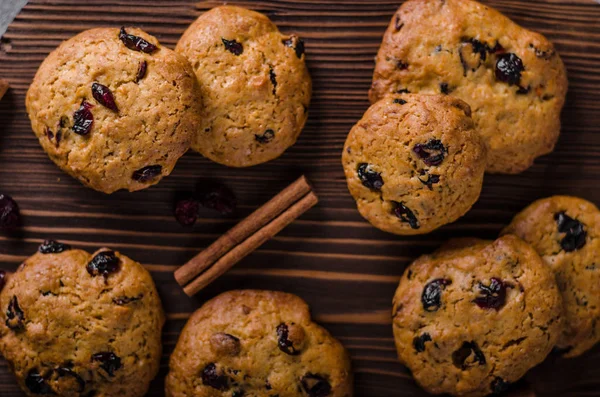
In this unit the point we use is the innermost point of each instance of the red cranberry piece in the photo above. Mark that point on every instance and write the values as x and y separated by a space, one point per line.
432 153
233 46
431 298
285 345
124 300
104 263
499 386
403 91
398 23
508 68
109 362
83 119
67 371
492 296
10 216
53 247
211 377
14 315
273 78
468 354
136 43
219 198
419 342
147 173
406 215
2 279
315 385
141 71
104 96
400 101
430 181
296 43
401 65
369 177
266 137
575 234
36 383
445 88
186 211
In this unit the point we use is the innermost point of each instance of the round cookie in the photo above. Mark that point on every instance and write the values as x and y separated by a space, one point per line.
414 163
255 86
565 231
75 324
513 78
114 109
474 317
257 343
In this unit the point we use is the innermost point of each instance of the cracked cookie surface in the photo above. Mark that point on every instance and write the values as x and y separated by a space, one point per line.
565 231
257 343
254 82
74 324
475 316
414 162
112 115
513 78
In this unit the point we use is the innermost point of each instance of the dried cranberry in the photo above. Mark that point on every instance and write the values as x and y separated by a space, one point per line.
2 279
212 378
83 119
369 177
296 43
147 173
403 91
492 296
468 349
109 362
419 342
36 383
406 215
14 315
136 43
315 385
432 153
186 211
524 91
104 96
53 247
399 101
66 371
285 345
508 68
233 46
141 73
575 234
104 263
402 65
431 298
124 300
266 137
219 198
499 386
49 134
445 88
430 181
273 78
398 23
10 216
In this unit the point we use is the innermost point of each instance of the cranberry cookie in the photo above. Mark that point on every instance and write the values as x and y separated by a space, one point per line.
513 78
475 316
257 343
114 109
414 162
565 231
75 324
255 86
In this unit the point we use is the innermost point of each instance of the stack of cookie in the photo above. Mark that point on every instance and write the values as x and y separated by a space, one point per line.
410 168
115 109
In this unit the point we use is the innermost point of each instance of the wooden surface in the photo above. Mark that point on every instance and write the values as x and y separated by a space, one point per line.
344 268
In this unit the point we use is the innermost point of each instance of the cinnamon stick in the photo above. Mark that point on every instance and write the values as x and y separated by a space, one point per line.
3 87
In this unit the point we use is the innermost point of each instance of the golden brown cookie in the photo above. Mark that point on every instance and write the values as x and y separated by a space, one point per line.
414 163
3 87
475 316
255 86
114 108
257 343
75 324
565 231
513 78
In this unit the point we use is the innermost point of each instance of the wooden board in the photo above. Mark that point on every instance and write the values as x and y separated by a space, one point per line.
345 269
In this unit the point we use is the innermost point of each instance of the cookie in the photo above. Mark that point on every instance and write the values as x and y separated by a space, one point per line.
3 87
257 343
474 317
414 163
255 86
114 108
75 324
513 78
565 231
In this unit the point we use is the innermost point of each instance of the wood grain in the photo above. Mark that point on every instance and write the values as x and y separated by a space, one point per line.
344 268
